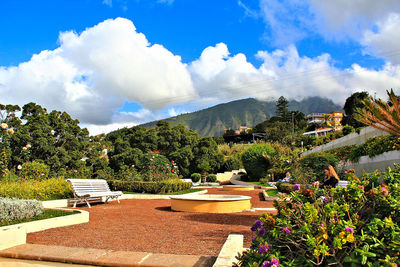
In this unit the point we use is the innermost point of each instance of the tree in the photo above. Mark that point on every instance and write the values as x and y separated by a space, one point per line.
381 115
352 103
282 110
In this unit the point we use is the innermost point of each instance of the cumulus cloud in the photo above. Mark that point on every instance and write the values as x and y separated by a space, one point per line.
385 40
288 21
90 74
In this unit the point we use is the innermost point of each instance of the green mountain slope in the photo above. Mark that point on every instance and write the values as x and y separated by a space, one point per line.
245 112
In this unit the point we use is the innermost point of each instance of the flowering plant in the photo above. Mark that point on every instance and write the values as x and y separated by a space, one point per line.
357 225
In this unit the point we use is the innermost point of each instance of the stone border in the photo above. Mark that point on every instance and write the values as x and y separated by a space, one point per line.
231 248
268 198
13 235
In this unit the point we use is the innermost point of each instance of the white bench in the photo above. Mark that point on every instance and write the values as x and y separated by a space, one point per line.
342 183
84 189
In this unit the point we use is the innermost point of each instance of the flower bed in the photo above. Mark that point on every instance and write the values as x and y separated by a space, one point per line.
357 225
158 187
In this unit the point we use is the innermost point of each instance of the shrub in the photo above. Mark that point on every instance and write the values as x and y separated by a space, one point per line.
375 146
233 163
195 177
16 209
255 162
353 226
284 187
156 167
34 171
54 188
348 129
264 181
159 187
211 178
316 163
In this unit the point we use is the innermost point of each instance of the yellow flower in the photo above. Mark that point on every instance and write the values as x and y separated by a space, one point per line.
342 235
325 236
4 125
350 238
10 131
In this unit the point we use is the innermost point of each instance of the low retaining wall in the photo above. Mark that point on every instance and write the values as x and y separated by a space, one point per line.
350 139
231 248
380 162
226 176
13 235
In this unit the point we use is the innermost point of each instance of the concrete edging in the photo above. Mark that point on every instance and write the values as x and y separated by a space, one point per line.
268 198
13 235
231 248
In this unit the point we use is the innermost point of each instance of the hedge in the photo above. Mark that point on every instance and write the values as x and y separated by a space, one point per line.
17 209
255 161
54 188
211 178
149 187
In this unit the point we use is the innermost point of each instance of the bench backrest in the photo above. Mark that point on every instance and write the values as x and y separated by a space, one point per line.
87 186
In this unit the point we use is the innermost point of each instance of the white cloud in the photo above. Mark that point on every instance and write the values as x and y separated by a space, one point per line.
385 41
92 73
108 2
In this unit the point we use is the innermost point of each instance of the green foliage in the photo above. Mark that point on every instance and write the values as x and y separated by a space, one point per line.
211 178
34 171
233 163
375 146
53 188
353 226
45 215
352 103
284 187
255 162
282 110
342 153
195 177
315 163
348 129
159 187
16 209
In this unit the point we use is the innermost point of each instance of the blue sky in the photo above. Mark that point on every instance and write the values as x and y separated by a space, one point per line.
116 63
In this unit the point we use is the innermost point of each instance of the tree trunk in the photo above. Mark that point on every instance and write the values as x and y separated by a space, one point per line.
203 176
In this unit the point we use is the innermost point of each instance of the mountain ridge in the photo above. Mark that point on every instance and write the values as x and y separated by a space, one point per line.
244 112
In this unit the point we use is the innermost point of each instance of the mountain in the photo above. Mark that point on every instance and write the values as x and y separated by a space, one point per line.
245 112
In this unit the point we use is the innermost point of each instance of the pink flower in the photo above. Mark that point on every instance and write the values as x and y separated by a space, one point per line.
296 187
286 230
349 229
384 190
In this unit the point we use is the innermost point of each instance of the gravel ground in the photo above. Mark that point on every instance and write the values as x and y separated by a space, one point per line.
151 226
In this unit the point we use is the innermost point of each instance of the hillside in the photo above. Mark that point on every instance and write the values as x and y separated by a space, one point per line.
246 112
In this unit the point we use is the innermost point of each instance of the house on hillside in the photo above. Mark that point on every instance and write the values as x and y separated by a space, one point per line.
333 119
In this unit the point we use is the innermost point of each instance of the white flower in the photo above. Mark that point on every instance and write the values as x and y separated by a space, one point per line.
28 145
24 148
19 167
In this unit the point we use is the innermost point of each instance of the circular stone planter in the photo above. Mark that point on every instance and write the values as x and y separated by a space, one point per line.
238 187
211 203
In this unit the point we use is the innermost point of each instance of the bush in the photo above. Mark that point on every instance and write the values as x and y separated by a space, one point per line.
315 163
284 187
348 129
211 178
233 163
16 209
54 188
375 146
354 226
195 177
34 171
159 187
264 181
255 162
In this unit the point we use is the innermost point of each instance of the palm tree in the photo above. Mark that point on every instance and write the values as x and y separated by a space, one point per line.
381 115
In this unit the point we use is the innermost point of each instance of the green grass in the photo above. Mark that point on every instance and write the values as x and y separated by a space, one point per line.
192 190
45 215
272 192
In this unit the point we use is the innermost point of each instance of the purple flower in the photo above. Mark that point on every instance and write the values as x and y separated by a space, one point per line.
261 231
253 239
258 223
253 229
286 230
274 262
296 187
262 249
349 229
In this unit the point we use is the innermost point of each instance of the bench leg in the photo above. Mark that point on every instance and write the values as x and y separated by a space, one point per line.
87 202
76 201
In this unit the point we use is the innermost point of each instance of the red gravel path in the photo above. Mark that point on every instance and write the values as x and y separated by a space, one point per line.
151 226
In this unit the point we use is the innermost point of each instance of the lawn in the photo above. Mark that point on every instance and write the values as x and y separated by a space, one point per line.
45 215
272 192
